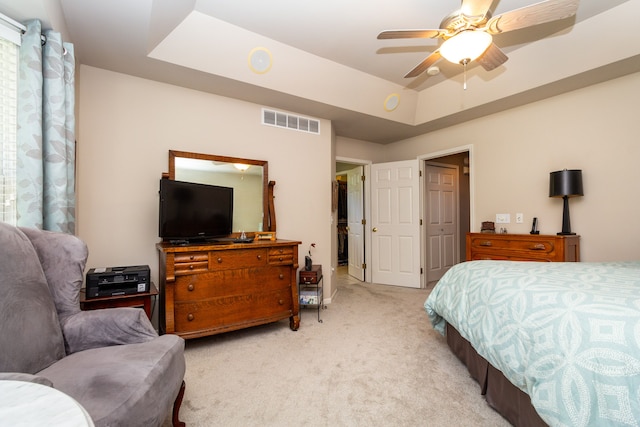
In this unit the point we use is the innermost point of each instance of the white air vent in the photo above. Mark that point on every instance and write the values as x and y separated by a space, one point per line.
290 121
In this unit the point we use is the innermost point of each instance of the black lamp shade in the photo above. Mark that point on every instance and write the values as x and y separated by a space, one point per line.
566 183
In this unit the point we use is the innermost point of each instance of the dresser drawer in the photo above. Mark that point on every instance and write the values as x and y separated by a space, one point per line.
241 258
187 257
281 255
484 256
228 310
528 245
191 262
217 283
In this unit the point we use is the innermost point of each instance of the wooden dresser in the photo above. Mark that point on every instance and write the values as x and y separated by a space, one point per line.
212 288
522 247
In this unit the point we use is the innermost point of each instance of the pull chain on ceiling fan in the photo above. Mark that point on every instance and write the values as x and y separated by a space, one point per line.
467 32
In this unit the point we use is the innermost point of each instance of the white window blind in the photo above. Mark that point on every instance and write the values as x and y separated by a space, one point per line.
9 53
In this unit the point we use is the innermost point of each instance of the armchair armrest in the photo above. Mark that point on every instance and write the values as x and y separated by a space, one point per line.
106 327
21 376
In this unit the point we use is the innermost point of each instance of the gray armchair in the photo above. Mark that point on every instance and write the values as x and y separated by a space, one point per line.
111 361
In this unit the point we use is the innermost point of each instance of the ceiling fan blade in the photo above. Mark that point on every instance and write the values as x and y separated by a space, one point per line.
539 13
492 58
411 34
426 63
474 11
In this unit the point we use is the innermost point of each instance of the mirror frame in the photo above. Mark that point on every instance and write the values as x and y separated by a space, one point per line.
268 219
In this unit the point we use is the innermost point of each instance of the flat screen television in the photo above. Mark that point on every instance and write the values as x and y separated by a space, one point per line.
194 212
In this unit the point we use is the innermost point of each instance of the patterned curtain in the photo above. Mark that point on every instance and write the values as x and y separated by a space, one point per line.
46 132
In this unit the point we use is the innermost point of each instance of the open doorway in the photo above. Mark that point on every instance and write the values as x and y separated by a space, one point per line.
351 219
461 157
447 212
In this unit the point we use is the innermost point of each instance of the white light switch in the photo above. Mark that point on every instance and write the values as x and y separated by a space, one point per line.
503 218
519 218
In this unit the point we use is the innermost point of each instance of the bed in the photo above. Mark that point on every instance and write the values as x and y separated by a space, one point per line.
561 341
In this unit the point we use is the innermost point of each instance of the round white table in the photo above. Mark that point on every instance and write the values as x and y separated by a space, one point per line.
30 404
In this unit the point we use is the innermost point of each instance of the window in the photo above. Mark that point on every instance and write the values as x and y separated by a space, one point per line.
9 53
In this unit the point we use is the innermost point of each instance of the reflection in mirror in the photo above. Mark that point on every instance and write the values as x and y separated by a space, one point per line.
247 177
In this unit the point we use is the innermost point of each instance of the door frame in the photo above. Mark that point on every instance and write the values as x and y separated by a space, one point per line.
424 158
366 234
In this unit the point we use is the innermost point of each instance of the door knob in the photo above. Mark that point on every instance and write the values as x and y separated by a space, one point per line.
375 229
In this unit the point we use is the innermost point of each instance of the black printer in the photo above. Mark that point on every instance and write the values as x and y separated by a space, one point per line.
110 281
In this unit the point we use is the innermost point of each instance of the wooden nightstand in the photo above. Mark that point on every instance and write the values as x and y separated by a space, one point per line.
142 300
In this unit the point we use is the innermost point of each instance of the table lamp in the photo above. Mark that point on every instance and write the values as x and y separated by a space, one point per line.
565 184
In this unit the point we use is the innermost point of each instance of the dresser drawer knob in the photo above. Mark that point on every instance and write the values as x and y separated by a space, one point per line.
281 302
259 257
190 317
281 276
219 260
191 267
192 257
190 288
280 259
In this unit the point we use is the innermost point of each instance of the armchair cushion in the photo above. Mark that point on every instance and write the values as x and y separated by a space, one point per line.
123 385
30 338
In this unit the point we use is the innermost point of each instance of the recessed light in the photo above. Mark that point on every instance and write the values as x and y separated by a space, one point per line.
260 60
392 102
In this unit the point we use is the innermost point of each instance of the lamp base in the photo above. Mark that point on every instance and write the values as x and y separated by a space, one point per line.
566 234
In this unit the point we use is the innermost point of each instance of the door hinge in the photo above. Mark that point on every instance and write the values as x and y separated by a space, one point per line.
363 178
421 221
364 266
364 221
421 270
420 174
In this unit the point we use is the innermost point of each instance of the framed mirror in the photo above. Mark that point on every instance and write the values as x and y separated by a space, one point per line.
252 208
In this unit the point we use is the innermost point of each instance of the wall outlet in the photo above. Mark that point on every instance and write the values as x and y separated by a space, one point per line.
519 218
503 218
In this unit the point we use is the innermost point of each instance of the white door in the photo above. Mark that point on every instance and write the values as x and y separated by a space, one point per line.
395 223
441 212
355 219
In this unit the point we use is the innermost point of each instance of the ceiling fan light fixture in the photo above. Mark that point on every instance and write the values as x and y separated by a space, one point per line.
465 46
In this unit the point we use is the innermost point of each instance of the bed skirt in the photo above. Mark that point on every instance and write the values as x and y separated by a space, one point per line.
510 402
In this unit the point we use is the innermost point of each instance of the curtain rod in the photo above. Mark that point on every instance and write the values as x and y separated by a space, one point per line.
22 28
13 22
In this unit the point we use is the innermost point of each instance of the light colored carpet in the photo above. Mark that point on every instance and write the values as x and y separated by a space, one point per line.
375 361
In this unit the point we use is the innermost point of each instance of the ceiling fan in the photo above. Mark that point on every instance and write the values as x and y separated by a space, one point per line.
467 32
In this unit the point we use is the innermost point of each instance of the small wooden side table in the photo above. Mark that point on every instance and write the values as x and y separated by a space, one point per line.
142 300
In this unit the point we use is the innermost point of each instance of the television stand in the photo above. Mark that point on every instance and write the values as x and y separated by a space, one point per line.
210 288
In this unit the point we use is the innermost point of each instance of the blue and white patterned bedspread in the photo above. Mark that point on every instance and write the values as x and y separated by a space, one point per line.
567 334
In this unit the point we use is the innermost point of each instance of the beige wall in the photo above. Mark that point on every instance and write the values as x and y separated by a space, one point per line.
595 129
128 124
